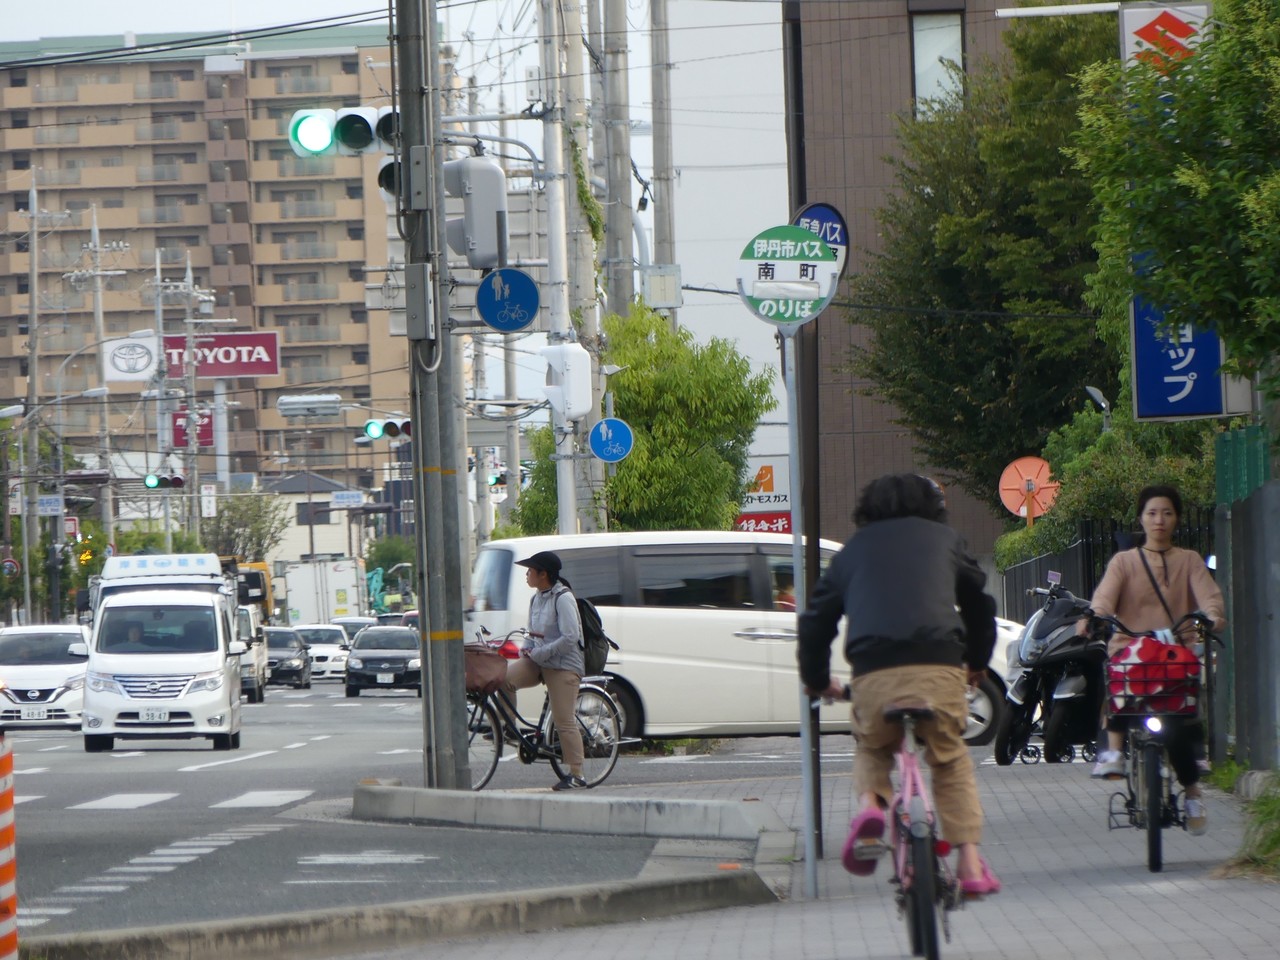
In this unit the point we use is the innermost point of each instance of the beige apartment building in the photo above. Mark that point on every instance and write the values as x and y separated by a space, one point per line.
184 156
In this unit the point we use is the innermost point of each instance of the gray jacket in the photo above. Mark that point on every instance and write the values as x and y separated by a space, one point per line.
556 631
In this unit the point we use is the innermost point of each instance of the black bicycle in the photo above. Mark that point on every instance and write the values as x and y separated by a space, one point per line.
1155 685
493 720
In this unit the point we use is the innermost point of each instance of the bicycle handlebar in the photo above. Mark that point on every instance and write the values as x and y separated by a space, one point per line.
1198 618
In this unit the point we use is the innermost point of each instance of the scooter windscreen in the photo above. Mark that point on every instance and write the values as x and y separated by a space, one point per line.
1046 627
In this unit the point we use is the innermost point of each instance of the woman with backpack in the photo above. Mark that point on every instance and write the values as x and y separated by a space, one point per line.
553 657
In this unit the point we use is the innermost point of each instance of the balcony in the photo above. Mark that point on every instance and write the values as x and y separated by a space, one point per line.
295 292
298 376
305 166
286 86
317 334
62 93
301 209
308 251
230 151
159 90
280 294
167 172
223 275
165 130
228 191
229 234
51 178
57 135
167 255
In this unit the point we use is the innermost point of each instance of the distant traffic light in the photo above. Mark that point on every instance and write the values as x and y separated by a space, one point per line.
498 480
349 131
164 481
389 428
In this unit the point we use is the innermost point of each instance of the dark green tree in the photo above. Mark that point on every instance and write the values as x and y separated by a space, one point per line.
978 331
247 526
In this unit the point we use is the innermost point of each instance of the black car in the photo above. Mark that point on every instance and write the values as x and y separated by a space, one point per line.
288 657
384 658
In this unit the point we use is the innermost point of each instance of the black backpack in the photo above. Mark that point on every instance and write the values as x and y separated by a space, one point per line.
595 642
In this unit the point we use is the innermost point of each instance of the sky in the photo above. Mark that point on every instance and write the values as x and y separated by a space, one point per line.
727 90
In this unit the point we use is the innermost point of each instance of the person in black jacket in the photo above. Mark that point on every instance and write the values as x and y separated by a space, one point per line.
919 624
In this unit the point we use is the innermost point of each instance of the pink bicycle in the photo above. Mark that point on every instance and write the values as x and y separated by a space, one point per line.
923 877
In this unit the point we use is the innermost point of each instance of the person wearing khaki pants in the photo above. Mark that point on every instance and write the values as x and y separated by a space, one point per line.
553 657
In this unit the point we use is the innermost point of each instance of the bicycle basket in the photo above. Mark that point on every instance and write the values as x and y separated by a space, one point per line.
485 669
1149 676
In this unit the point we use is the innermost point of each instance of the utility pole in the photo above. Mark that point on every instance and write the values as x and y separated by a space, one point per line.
30 518
191 466
664 177
619 250
557 281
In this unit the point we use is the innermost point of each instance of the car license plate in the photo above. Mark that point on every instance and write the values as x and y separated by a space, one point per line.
35 713
153 715
386 678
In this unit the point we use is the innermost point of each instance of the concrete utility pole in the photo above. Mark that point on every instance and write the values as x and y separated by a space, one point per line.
555 289
664 175
30 519
619 250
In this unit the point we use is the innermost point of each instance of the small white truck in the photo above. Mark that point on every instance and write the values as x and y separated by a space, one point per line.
316 591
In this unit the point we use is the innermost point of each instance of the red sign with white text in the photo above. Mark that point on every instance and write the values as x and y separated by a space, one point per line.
204 430
764 522
223 355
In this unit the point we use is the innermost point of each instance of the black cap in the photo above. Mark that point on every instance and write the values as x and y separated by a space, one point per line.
546 561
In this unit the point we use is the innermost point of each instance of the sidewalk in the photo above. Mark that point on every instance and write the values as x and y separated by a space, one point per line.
1071 888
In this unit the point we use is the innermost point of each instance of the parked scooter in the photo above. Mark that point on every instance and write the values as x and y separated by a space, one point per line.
1055 684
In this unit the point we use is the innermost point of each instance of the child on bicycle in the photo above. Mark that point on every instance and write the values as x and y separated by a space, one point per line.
553 657
1149 588
898 581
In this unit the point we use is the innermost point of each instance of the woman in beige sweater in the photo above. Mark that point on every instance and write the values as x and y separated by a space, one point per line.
1128 594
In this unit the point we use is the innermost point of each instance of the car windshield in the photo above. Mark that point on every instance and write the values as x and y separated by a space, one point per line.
323 635
158 630
32 649
351 628
389 638
283 640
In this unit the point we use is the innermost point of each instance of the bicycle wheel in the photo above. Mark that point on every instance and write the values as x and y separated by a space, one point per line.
1154 799
601 728
484 741
922 919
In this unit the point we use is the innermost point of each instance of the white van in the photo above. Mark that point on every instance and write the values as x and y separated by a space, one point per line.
164 661
705 622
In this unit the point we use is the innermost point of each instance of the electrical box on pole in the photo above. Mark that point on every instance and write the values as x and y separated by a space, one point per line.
570 396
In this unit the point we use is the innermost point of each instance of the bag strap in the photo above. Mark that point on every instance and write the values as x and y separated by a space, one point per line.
1142 555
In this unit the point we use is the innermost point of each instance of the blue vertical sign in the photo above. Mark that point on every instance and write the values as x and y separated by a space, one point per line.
1176 371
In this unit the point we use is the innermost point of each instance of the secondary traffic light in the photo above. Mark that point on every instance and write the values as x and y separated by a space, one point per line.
164 481
480 234
391 428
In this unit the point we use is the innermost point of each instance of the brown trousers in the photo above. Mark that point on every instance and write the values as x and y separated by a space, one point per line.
955 789
562 690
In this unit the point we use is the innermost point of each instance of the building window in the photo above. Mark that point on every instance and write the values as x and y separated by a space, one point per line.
936 38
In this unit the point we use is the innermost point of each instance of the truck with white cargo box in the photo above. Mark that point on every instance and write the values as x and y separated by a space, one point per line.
316 591
163 656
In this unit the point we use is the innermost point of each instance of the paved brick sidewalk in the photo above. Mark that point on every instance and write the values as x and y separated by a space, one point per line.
1071 888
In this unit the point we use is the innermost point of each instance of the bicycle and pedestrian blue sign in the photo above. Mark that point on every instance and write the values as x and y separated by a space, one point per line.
612 440
507 300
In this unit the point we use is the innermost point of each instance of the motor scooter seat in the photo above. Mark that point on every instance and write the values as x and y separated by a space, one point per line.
914 707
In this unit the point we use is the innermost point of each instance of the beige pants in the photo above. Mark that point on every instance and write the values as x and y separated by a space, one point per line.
562 690
955 790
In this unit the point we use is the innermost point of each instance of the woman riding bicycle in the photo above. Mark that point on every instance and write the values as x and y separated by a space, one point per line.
1150 588
898 582
554 657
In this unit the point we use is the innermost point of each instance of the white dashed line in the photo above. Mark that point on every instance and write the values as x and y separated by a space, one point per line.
124 801
264 798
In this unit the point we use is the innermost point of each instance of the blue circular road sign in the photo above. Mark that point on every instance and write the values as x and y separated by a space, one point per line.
611 440
507 300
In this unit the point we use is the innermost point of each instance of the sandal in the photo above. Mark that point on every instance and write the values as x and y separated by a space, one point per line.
982 886
867 825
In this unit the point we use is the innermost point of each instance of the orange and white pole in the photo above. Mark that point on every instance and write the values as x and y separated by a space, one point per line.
8 857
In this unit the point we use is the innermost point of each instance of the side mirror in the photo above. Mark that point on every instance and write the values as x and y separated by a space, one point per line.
78 649
236 648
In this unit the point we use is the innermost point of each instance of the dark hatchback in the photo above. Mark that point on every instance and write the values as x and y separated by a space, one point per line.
384 658
288 657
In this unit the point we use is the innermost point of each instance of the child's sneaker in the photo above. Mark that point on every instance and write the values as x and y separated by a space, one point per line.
1197 817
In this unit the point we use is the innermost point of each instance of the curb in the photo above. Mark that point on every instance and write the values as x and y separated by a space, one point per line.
1254 783
329 933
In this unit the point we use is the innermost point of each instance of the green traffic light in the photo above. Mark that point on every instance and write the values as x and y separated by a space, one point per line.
374 429
151 481
312 132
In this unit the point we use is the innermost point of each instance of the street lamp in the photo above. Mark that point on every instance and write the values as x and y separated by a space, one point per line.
31 509
1102 402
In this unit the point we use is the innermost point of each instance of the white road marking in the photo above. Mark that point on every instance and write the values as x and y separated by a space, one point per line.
296 705
32 770
18 800
294 746
264 798
129 753
323 736
153 868
388 753
219 763
156 859
211 844
124 801
31 921
364 859
61 746
51 911
94 888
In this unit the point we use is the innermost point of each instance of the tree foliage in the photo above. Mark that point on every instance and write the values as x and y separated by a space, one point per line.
1185 162
975 304
693 408
246 526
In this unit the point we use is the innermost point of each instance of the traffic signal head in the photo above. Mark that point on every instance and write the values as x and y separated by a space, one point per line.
481 233
391 428
164 481
571 396
311 132
354 129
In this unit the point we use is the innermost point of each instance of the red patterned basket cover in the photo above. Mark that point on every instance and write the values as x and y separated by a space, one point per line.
1150 676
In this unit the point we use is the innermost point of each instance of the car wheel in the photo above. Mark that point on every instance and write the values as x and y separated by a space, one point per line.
235 740
986 701
98 742
353 691
419 693
632 714
221 741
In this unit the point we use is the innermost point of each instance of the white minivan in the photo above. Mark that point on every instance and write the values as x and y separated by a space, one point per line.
163 663
705 622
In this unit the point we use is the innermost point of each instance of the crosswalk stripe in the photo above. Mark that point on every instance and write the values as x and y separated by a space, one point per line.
124 801
264 798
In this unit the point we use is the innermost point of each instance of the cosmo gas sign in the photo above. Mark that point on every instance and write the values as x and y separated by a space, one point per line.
224 355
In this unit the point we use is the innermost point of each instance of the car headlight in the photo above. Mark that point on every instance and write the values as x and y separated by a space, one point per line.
339 658
205 681
75 683
355 662
415 664
292 664
103 683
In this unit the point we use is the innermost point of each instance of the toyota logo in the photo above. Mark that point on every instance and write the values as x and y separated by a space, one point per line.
386 666
153 686
33 694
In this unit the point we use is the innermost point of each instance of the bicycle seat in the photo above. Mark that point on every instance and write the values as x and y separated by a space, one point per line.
898 710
